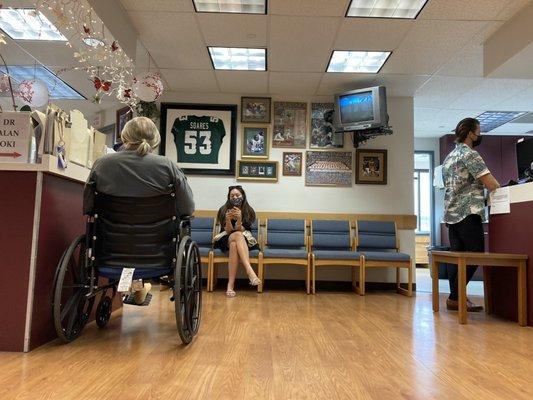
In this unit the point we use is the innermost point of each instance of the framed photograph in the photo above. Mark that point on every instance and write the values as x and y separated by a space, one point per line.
292 164
123 116
254 141
323 135
201 138
250 170
328 168
371 166
290 124
255 109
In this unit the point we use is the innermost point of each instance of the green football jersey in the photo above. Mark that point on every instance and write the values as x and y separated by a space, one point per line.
198 139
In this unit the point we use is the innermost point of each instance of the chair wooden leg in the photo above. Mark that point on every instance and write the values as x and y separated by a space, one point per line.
308 275
398 286
522 294
461 282
210 272
313 275
409 291
487 295
261 271
362 276
435 284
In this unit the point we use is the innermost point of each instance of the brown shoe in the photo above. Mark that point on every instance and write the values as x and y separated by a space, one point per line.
471 307
452 304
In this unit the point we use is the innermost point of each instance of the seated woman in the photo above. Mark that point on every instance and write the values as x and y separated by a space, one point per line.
236 218
136 172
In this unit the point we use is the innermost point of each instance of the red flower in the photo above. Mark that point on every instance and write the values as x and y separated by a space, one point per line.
114 46
101 85
86 30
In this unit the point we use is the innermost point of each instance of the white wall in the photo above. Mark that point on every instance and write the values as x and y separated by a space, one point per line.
291 194
432 144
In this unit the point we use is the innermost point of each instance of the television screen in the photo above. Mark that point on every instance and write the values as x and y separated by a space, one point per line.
356 107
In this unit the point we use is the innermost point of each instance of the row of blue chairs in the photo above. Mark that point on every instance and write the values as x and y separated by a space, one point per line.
320 243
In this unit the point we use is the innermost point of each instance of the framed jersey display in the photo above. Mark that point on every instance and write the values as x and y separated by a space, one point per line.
200 137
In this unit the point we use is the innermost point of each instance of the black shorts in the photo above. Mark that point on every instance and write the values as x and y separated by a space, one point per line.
222 244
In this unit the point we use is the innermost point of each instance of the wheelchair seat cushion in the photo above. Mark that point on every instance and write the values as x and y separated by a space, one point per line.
139 273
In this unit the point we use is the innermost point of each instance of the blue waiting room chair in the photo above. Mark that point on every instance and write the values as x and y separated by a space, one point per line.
202 229
377 242
285 243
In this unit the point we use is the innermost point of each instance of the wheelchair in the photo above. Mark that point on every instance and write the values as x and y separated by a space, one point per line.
141 233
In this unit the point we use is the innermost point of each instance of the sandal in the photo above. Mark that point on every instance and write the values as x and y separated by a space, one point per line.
255 282
231 293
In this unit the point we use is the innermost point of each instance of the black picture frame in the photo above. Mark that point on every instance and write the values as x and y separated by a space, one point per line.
227 113
371 166
124 114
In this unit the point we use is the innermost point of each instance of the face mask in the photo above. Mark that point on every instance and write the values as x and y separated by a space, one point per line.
477 142
236 201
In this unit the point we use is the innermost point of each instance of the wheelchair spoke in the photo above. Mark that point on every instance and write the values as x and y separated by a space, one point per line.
73 300
72 321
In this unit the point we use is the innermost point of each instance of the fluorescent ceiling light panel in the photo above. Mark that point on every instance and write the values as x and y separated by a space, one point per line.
236 58
28 24
385 8
58 88
231 6
490 120
369 62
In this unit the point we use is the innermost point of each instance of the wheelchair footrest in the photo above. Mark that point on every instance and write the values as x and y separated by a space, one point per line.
129 299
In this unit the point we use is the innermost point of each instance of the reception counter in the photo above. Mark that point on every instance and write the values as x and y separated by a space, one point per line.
40 214
512 233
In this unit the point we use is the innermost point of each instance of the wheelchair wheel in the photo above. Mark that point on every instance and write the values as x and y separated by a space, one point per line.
71 307
103 311
188 290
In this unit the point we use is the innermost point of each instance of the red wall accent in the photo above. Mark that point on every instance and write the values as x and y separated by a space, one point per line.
17 198
61 222
512 233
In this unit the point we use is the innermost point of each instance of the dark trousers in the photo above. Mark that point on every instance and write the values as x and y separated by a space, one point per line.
466 235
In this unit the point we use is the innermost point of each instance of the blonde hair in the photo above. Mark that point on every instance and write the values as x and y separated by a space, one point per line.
140 134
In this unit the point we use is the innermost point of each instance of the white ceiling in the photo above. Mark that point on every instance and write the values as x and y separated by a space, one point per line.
437 58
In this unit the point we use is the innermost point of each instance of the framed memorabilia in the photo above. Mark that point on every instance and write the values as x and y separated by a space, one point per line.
255 109
290 124
257 170
123 116
371 166
328 168
323 135
254 141
200 137
292 164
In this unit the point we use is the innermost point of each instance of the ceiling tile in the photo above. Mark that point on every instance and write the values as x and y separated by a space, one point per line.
332 83
190 80
300 43
318 8
158 5
468 62
243 82
294 82
471 10
441 91
429 45
401 85
371 34
489 93
233 30
522 101
173 39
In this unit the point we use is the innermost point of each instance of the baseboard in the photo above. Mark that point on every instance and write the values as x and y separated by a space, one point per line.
332 286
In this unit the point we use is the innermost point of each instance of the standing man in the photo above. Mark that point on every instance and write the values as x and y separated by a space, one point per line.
465 178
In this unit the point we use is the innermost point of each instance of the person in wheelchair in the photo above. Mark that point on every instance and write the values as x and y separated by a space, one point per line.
136 171
236 218
138 206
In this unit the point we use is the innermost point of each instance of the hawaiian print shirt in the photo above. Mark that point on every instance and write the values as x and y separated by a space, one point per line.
464 192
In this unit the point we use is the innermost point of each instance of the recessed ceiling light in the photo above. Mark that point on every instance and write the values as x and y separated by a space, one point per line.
231 6
28 24
236 58
385 8
369 62
58 88
490 120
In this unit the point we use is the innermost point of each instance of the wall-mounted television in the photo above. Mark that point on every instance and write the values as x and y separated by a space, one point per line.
361 109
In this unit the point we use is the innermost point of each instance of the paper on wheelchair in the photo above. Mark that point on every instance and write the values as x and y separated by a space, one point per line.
126 278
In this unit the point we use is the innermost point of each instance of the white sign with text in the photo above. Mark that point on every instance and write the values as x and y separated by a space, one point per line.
15 137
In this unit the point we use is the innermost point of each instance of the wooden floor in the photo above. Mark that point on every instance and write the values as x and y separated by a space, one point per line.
283 345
